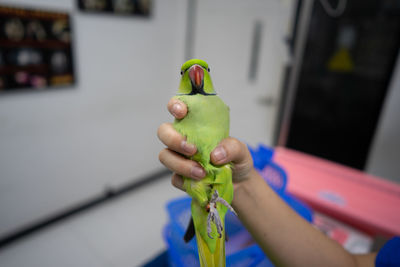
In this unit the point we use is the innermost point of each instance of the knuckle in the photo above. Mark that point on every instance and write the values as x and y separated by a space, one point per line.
161 129
173 180
161 155
235 145
182 166
177 181
167 135
240 145
235 149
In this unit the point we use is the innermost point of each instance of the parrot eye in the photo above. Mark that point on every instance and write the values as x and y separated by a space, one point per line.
181 72
208 69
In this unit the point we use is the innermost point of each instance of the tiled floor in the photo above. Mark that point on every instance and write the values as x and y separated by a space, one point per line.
123 232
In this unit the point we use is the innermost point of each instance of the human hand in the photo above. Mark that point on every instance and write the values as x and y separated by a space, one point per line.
173 157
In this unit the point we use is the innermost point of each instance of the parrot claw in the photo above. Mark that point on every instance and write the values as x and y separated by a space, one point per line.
213 215
216 198
209 230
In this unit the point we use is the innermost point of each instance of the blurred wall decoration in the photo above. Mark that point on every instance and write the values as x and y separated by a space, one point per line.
35 49
59 148
120 7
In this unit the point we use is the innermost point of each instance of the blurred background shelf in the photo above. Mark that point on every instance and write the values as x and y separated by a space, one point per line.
44 44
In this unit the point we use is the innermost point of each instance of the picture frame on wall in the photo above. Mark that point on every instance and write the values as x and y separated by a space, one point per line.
136 8
35 49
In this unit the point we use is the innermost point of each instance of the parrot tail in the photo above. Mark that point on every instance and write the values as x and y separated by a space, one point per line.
208 259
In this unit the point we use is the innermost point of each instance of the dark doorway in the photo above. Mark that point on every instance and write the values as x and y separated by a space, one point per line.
346 69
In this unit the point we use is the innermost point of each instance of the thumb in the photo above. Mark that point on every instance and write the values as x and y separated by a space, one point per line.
231 150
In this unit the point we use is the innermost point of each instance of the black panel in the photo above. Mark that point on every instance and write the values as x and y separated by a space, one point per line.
336 110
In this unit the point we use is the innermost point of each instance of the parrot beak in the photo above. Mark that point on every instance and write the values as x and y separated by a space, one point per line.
196 74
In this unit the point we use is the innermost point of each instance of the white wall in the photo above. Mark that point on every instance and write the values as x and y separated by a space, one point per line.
384 157
228 26
60 147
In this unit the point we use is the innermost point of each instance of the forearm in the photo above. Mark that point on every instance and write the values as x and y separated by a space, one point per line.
285 237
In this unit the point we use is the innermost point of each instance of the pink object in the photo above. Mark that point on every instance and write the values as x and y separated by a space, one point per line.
366 202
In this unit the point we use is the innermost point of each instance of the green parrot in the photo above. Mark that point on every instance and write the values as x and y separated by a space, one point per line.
205 125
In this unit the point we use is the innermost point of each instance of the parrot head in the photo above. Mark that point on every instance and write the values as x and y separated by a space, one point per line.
195 78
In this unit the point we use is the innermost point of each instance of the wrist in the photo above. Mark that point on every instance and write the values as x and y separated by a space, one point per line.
243 189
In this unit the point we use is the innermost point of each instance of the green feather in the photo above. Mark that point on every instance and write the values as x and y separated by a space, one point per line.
205 125
185 87
191 62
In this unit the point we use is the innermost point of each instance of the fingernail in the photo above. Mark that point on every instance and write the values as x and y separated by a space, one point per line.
197 172
177 109
188 148
219 154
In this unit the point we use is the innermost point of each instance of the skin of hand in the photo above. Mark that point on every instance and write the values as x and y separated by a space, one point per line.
276 228
173 157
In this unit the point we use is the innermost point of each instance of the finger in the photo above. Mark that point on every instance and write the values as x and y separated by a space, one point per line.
175 141
181 165
230 150
177 108
177 181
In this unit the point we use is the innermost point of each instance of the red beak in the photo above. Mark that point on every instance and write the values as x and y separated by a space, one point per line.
196 74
